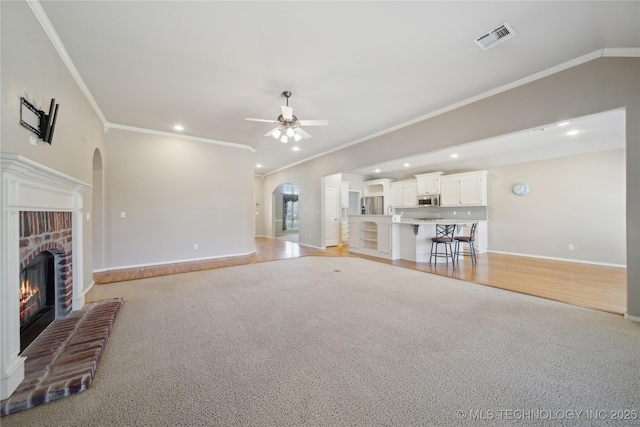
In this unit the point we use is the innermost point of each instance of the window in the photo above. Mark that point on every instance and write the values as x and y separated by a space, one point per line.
289 207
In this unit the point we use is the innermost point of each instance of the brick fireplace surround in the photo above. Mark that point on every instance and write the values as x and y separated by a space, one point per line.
51 232
29 189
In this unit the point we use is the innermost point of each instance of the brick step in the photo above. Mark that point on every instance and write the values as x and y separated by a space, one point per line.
62 360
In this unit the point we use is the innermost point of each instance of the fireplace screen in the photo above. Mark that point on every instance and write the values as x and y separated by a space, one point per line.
37 297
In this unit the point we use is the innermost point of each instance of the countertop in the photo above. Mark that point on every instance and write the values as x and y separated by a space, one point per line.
371 215
433 221
397 219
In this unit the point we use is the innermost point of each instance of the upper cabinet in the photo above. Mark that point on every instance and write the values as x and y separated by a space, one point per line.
377 187
464 189
404 194
428 183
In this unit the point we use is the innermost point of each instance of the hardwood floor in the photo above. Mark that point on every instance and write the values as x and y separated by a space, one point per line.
596 287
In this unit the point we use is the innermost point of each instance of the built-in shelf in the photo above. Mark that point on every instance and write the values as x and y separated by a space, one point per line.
372 235
369 236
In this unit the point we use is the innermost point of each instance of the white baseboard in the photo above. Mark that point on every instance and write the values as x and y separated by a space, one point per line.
632 318
604 264
79 301
311 246
86 291
153 264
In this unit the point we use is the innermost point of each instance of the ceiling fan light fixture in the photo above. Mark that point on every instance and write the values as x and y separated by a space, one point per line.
287 124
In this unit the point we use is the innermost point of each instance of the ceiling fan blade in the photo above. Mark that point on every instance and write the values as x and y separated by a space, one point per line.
261 120
287 112
322 122
303 133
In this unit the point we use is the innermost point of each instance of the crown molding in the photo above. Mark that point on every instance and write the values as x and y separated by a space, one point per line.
621 52
108 126
47 26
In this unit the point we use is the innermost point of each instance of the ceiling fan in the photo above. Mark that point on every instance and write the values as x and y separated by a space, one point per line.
288 125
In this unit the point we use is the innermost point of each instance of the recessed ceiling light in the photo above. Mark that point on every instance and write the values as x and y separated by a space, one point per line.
406 165
178 128
377 171
453 156
296 148
564 123
572 132
258 165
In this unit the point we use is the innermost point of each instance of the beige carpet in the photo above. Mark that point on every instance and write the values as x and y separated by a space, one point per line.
347 341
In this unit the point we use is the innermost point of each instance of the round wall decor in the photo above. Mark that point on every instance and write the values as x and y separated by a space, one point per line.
520 189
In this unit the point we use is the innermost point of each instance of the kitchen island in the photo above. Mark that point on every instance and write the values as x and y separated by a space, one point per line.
392 237
375 235
415 237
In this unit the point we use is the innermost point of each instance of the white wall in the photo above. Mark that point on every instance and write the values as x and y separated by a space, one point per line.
176 193
277 213
578 200
32 68
258 208
356 182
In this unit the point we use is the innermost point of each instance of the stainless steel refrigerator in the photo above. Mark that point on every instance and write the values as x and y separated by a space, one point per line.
372 205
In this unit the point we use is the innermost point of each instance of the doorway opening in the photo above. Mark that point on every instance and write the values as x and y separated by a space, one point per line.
287 212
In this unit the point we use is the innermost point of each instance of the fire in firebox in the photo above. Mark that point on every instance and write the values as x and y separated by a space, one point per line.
37 297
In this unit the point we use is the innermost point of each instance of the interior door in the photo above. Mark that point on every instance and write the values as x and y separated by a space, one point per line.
331 214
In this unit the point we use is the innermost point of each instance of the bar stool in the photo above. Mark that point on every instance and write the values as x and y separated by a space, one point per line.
467 239
444 236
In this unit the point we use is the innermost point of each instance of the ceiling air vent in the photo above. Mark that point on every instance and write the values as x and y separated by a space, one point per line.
495 36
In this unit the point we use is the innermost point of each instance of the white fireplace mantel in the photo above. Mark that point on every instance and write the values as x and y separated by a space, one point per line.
29 186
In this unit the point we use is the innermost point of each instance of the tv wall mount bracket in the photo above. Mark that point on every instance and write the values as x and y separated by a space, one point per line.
37 121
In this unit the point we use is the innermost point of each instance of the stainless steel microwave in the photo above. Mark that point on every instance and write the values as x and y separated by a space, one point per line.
429 200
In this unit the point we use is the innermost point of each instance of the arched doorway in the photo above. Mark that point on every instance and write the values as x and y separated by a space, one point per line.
286 212
98 211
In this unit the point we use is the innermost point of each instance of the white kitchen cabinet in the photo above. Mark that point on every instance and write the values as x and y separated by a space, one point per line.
410 194
464 189
344 230
428 183
449 191
397 194
404 194
377 187
344 194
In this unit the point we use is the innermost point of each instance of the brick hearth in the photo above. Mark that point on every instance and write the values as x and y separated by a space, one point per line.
62 360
